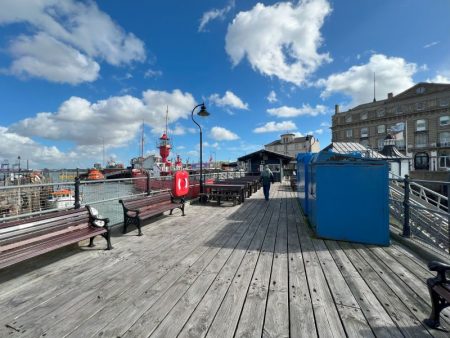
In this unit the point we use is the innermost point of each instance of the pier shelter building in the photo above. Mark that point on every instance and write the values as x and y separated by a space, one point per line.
277 162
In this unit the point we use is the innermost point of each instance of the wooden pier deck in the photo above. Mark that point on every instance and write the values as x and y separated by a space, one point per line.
247 271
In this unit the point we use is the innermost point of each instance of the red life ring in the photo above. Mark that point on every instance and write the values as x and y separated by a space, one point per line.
180 185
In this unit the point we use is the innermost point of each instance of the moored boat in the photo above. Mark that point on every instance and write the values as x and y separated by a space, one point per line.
61 199
95 175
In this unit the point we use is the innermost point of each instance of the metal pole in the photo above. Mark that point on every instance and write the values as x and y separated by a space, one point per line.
201 150
448 216
406 225
149 189
201 166
77 193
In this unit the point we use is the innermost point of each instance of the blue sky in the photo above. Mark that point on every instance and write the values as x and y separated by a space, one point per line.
75 74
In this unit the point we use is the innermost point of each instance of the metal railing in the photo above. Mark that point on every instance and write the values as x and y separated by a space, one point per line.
422 212
35 199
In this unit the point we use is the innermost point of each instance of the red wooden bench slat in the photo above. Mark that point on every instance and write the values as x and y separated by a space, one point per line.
39 219
47 246
138 209
23 239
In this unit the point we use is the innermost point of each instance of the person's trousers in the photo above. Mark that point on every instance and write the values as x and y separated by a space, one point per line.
266 189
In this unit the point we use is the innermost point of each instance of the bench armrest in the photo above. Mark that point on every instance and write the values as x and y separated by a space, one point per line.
440 268
125 209
96 221
172 199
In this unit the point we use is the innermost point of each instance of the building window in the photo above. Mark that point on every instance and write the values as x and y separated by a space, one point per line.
381 129
380 112
420 105
380 143
444 160
422 161
420 90
349 133
348 118
421 125
443 102
421 140
365 143
364 115
444 120
399 109
444 139
364 132
400 144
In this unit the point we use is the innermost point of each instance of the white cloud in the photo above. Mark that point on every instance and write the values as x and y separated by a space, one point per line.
228 100
439 79
319 131
117 119
43 56
222 134
193 153
431 44
213 14
206 144
66 36
325 124
177 130
281 40
393 74
12 145
305 110
272 97
275 126
152 73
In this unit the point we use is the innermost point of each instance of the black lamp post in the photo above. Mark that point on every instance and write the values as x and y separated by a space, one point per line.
202 113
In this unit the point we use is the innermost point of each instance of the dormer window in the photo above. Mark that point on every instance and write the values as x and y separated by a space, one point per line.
420 90
364 115
348 118
380 112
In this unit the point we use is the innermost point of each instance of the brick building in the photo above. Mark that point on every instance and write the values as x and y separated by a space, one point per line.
419 118
290 145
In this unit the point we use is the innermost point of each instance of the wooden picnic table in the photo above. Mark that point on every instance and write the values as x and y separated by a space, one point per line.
249 185
219 190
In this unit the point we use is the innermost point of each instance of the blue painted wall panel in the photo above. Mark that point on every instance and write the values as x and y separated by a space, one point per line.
303 161
348 200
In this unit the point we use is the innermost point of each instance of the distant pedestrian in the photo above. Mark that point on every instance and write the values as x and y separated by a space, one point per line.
266 178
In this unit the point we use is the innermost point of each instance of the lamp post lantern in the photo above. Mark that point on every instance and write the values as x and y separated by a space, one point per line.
203 113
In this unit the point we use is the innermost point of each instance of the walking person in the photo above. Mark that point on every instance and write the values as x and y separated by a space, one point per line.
266 178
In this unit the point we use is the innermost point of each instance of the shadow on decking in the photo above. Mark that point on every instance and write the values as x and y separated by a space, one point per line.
262 219
38 262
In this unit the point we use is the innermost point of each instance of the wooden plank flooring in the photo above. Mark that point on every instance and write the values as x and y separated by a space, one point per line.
253 270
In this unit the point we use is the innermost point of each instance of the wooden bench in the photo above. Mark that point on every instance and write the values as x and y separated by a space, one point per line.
439 288
27 238
139 209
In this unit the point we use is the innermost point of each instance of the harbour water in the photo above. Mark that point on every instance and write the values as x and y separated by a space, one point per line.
102 195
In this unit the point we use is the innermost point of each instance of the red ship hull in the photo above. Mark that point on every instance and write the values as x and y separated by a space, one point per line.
140 184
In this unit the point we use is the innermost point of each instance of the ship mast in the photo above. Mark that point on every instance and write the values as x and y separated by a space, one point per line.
142 140
167 116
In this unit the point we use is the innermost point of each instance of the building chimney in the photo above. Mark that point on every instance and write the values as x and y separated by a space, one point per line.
390 96
336 109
